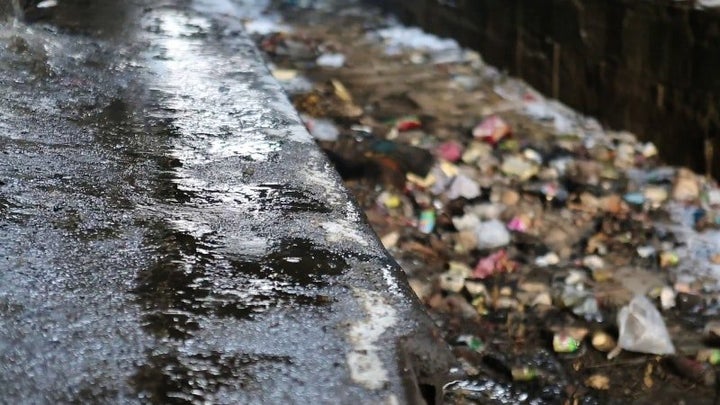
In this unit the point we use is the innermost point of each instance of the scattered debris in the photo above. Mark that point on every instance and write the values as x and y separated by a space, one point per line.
510 212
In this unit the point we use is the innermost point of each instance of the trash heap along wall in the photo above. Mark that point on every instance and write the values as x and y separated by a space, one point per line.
650 67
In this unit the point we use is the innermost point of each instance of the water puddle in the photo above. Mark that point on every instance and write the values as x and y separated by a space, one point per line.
251 199
193 279
296 262
174 377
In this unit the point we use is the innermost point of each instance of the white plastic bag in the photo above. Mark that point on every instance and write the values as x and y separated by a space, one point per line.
492 234
642 328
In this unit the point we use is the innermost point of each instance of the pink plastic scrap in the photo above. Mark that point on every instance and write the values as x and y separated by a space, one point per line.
492 130
497 262
518 224
450 151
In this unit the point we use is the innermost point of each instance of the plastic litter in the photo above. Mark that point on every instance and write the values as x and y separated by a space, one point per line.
471 341
390 240
708 3
533 156
712 197
646 251
668 259
451 282
649 150
322 129
589 309
549 259
47 4
554 192
467 222
634 198
476 288
475 152
491 234
497 262
711 356
655 194
519 223
390 200
408 123
667 298
593 262
564 343
331 60
686 187
341 91
398 38
519 167
492 130
427 221
284 75
450 151
642 328
523 373
465 187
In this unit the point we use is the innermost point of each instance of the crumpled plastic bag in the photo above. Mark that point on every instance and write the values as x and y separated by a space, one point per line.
463 186
642 328
491 234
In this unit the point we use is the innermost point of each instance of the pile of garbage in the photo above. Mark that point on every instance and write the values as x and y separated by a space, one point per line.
563 261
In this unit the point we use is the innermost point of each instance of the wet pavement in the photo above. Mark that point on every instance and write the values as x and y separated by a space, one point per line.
170 234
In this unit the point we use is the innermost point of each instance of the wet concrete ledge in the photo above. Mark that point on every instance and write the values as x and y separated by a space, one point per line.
646 66
170 233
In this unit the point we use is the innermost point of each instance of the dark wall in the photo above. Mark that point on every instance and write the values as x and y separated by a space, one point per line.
649 66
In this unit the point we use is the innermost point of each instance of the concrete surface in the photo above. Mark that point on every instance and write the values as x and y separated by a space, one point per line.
169 232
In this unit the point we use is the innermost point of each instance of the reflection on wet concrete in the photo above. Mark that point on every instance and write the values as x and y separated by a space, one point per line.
296 261
175 287
191 279
253 199
171 378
